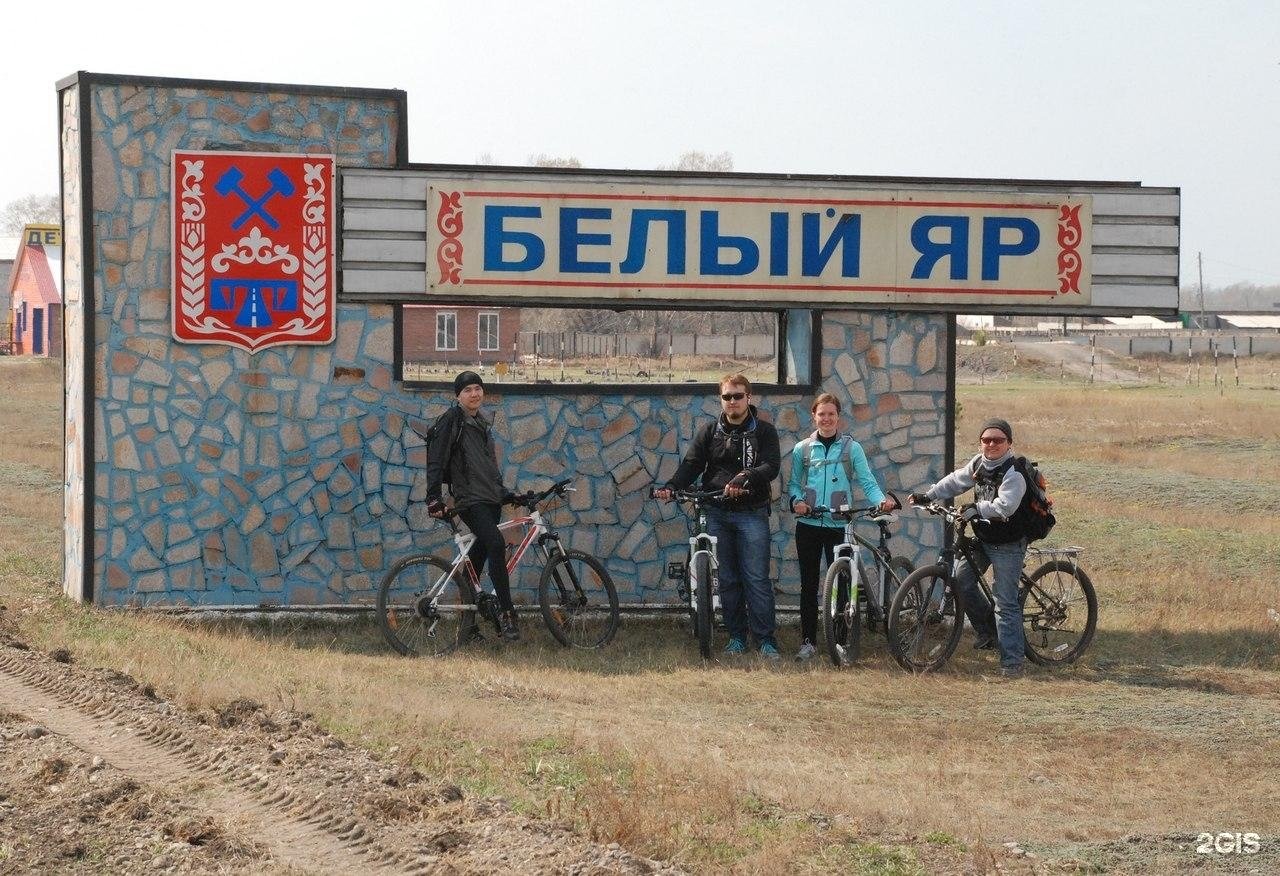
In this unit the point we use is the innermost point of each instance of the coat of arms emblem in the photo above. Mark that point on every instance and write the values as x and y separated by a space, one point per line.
253 253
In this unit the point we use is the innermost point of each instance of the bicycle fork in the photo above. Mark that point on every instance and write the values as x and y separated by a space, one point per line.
696 548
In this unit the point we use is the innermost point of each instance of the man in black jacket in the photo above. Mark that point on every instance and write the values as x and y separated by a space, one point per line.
465 445
738 453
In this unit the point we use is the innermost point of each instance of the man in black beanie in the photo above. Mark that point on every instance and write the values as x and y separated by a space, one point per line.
999 510
476 488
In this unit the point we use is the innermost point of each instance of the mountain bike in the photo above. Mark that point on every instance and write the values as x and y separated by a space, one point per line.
429 606
843 612
699 583
926 617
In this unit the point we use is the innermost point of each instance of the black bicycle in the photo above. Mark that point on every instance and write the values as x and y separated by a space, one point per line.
926 617
843 617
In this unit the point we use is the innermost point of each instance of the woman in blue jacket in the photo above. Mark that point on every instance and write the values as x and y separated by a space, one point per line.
820 476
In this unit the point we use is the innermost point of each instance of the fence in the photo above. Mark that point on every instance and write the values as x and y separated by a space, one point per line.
578 344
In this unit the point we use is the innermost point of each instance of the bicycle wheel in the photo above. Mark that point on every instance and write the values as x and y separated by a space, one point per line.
703 621
423 610
1059 613
838 605
925 620
578 600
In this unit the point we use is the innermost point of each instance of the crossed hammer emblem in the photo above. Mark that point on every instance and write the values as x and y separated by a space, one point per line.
229 184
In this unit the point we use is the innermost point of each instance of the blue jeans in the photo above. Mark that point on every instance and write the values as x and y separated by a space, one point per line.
1006 560
746 594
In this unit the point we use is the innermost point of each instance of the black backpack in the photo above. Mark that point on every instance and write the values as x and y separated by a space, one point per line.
1034 517
1038 515
448 419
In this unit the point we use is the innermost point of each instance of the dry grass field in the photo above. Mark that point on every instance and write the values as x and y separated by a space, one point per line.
1169 728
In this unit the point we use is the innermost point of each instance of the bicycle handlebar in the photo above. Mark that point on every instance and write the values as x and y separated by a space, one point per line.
531 499
678 495
844 512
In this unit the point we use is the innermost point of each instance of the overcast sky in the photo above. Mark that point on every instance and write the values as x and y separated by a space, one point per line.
1170 93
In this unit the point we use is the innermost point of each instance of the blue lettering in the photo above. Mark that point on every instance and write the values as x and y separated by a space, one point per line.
496 236
638 240
993 248
814 257
956 246
571 238
712 243
779 243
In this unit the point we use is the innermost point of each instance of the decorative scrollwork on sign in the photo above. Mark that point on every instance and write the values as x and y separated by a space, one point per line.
449 252
313 202
255 248
192 194
1069 261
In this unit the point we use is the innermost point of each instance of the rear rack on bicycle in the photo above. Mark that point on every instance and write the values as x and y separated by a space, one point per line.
1050 552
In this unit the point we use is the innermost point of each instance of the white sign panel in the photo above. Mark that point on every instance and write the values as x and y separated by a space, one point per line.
732 244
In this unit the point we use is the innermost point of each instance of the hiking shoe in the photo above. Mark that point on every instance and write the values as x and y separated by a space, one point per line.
984 643
1011 673
508 628
807 651
735 646
769 651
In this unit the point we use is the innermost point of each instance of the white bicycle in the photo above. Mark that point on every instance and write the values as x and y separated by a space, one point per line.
429 606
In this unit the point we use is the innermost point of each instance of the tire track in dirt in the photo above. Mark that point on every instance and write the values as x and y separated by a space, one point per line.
299 833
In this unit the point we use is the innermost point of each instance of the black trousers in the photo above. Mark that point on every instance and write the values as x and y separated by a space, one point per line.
811 543
482 520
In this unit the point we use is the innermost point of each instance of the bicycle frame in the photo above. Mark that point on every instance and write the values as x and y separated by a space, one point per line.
535 530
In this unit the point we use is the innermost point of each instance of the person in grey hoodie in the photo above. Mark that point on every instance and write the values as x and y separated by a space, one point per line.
999 513
465 445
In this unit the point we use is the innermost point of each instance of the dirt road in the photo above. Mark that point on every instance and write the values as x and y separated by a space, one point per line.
98 774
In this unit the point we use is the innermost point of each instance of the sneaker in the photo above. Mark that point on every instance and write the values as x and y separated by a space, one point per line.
807 651
984 643
1011 673
508 627
735 646
769 651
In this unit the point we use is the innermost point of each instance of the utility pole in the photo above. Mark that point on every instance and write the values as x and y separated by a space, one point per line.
1200 270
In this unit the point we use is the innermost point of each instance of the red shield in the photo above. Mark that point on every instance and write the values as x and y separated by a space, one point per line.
253 254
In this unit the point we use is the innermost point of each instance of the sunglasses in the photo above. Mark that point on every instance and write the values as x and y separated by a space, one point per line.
733 396
999 439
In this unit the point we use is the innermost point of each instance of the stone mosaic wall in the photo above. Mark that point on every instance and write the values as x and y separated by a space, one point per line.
293 476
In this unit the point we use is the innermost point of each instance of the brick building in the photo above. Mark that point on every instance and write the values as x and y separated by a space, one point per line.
463 335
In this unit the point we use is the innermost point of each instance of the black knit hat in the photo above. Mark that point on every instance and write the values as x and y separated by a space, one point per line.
465 379
997 423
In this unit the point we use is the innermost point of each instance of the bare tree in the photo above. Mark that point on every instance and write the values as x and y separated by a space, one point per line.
29 209
542 159
694 160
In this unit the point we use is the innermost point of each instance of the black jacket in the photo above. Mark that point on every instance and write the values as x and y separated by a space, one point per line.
720 452
465 445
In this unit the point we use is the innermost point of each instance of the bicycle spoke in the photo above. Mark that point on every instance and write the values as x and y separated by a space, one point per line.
423 609
579 602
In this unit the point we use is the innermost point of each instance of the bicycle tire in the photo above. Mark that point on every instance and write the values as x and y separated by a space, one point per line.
922 635
1053 585
703 621
415 627
578 600
838 605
